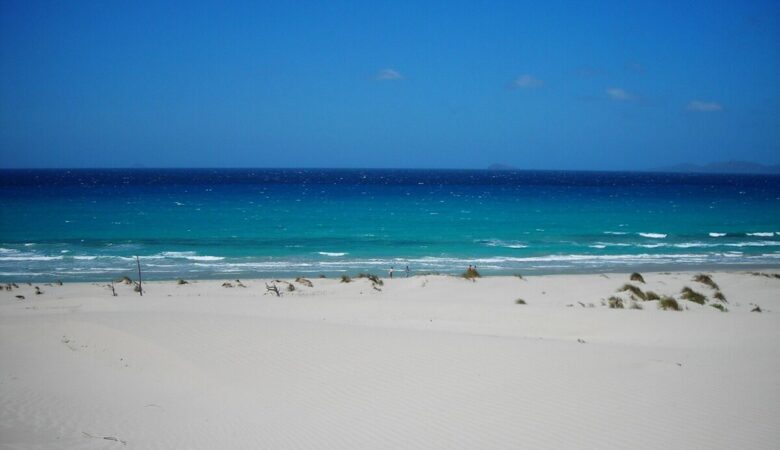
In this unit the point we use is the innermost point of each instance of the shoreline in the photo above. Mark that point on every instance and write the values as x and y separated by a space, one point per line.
418 362
654 268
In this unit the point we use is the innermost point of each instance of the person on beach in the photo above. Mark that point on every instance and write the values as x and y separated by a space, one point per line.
391 271
407 271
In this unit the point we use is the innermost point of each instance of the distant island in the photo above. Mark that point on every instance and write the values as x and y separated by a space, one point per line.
745 167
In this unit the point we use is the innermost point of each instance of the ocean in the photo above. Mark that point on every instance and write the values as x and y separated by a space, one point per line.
88 225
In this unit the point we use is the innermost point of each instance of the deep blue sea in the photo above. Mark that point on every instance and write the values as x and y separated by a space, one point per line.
88 224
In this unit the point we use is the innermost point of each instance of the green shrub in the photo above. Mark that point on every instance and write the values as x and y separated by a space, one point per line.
719 306
693 296
636 276
668 303
652 295
634 290
520 301
345 278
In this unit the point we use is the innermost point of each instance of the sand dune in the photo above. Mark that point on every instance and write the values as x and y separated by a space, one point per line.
427 362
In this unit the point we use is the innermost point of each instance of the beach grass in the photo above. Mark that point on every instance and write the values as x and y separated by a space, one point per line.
706 280
633 290
693 296
636 276
669 303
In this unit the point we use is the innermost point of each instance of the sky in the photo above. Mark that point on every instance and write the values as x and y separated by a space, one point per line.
536 85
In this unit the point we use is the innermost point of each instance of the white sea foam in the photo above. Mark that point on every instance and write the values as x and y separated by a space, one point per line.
612 244
717 234
762 234
205 258
191 256
653 235
597 246
618 233
29 258
505 244
755 244
332 253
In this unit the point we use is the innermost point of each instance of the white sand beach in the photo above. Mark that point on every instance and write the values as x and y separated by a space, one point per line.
424 362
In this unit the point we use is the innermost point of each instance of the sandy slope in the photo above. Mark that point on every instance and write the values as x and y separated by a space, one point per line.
428 362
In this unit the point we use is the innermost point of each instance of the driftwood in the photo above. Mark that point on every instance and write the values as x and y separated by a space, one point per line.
273 288
304 282
290 286
107 438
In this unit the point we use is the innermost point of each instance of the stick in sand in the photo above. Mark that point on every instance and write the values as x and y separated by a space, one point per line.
140 286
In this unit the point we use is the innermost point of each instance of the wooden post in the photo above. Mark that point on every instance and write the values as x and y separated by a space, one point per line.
140 285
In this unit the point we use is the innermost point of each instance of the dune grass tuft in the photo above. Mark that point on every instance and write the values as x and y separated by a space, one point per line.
719 306
693 296
520 301
719 296
615 302
636 276
756 309
668 303
374 279
181 281
635 305
633 290
345 278
706 280
652 295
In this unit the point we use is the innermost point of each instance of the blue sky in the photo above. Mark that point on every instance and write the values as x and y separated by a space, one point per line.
539 85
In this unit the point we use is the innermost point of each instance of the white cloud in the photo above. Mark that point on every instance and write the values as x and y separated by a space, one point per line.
702 106
620 95
388 75
527 82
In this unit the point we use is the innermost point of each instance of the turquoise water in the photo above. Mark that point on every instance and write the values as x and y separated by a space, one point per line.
88 224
